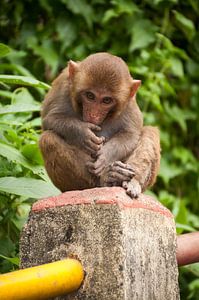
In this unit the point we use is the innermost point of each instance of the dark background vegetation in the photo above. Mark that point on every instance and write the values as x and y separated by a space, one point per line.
160 42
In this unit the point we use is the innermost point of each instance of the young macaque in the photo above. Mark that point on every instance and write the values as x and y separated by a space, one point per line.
93 133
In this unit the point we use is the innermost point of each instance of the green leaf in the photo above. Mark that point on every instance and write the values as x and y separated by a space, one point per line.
13 260
185 24
143 34
47 51
9 168
168 171
36 122
179 115
194 268
183 227
166 198
22 101
7 247
6 94
15 155
23 96
4 50
176 67
65 28
15 67
109 14
194 285
32 153
81 7
193 69
28 187
167 43
184 155
19 108
20 218
180 211
194 220
23 80
120 7
125 6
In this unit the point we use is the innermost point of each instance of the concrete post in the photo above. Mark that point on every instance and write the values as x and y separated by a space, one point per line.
127 247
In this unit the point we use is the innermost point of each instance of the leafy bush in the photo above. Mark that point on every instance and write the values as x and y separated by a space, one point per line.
22 175
160 42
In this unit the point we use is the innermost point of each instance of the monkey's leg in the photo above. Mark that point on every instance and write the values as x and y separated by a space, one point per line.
145 161
65 164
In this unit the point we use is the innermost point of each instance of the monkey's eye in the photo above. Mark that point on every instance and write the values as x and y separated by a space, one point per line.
90 95
107 100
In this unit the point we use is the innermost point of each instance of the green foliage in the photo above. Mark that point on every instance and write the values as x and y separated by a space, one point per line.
160 42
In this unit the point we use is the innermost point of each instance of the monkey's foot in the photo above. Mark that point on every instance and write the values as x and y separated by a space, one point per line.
133 188
119 172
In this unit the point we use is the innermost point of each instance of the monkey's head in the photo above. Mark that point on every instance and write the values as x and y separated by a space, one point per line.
101 87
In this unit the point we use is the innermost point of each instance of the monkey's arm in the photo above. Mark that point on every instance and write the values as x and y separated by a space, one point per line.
74 131
121 145
124 134
66 127
118 148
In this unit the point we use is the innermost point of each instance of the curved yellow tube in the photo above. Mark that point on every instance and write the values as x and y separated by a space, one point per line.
42 282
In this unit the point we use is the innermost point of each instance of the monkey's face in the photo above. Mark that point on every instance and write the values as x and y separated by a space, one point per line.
102 86
96 106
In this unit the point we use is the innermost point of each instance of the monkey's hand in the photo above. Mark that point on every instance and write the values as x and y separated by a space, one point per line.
97 167
91 143
133 188
116 173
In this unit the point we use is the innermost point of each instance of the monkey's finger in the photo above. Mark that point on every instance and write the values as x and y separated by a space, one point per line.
120 177
125 184
90 164
94 127
90 151
99 152
115 184
97 140
93 169
111 180
92 146
133 193
107 183
90 167
99 162
98 170
133 188
122 165
94 156
121 171
95 147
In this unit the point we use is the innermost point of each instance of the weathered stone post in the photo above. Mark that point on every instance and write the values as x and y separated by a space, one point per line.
127 247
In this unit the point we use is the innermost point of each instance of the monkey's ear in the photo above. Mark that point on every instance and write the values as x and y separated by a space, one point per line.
135 86
72 68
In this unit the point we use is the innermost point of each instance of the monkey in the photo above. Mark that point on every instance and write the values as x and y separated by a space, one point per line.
93 133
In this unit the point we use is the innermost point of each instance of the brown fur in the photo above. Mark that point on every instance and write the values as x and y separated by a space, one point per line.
65 143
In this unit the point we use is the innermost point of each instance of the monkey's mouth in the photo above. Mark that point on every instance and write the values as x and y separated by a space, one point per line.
93 119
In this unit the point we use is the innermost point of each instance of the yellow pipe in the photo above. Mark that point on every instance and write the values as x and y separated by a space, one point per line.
42 282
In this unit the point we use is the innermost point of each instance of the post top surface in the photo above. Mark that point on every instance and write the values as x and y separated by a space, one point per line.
106 195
